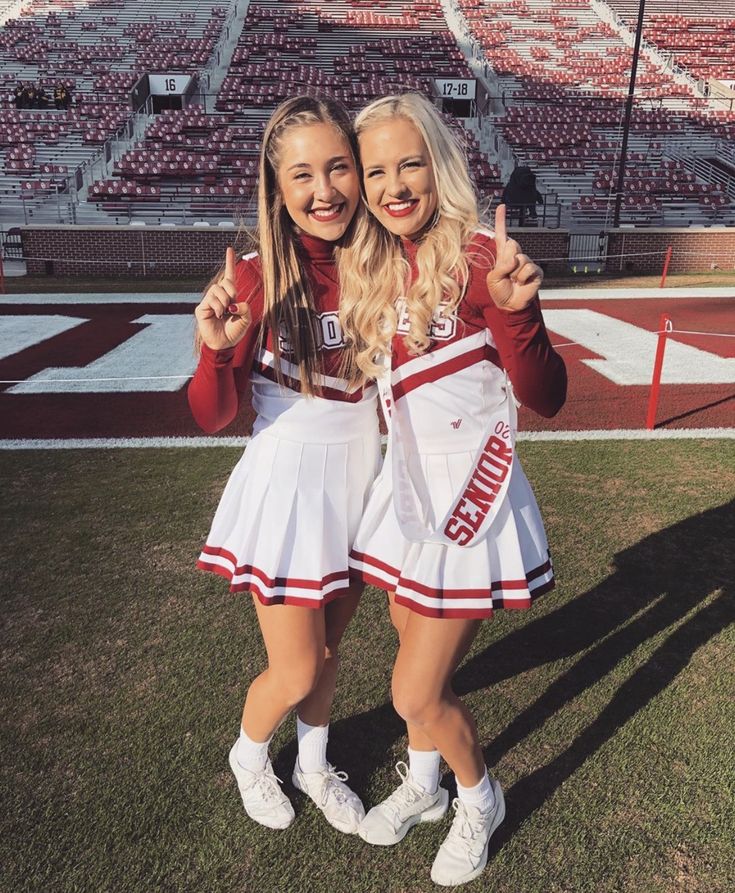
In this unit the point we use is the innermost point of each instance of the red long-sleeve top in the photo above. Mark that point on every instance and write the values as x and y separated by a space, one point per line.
220 381
524 351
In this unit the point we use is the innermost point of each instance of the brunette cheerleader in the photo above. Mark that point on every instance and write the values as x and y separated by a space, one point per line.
289 513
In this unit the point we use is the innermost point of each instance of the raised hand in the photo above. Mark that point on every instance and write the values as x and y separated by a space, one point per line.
515 280
222 321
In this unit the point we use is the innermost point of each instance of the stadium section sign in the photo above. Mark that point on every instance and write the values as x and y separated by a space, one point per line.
167 84
162 91
455 88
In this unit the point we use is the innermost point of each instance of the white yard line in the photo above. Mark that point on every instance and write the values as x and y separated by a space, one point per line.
113 443
101 298
634 294
633 434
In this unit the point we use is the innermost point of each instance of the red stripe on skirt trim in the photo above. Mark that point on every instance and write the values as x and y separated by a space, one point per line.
515 604
448 367
256 572
445 613
381 565
539 571
293 600
374 581
422 589
264 599
475 613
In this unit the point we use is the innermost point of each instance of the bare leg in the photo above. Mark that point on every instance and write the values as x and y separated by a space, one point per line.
317 705
294 639
399 614
430 652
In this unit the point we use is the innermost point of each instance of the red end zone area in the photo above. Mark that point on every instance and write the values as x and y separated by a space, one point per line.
609 347
116 366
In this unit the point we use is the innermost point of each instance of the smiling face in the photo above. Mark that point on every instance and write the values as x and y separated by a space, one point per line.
318 180
399 177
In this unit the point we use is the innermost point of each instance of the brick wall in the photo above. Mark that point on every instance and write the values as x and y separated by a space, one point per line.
545 246
125 251
158 252
694 249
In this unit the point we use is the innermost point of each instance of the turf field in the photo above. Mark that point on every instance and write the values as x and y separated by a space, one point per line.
606 712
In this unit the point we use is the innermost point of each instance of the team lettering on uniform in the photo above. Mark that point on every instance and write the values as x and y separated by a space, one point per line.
328 332
491 470
442 327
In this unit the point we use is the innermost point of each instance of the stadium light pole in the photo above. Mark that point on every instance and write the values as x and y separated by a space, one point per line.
628 114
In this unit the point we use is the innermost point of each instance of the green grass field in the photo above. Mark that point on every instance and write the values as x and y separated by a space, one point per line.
606 712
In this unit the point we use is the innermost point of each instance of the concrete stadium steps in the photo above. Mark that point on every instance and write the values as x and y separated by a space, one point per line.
340 50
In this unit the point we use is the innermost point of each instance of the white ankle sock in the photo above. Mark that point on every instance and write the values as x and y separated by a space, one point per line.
312 746
480 796
424 768
250 754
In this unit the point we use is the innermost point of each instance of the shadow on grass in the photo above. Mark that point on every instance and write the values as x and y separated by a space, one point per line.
656 584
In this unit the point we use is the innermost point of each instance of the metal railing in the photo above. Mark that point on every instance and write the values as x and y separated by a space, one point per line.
546 216
703 169
11 244
588 251
726 152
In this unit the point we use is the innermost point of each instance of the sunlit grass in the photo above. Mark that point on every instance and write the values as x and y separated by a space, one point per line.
606 711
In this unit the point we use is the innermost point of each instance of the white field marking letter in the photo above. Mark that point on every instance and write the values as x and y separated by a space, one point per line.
18 333
628 351
162 348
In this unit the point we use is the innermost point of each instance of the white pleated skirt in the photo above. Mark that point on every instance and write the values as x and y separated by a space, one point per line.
291 508
508 568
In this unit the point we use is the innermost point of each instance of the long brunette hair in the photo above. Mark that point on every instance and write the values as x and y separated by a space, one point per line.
288 302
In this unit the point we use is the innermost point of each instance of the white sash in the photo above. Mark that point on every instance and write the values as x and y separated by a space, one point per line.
474 509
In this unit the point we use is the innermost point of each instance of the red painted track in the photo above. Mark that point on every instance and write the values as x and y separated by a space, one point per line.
594 402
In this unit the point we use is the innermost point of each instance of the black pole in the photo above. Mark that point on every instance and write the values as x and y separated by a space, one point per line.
628 113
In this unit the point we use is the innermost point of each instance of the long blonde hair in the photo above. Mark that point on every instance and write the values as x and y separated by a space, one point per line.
374 271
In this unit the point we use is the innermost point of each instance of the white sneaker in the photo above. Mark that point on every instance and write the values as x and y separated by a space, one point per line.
262 797
341 806
409 804
463 855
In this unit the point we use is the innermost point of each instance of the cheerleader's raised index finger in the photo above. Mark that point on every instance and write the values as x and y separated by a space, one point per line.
501 233
230 264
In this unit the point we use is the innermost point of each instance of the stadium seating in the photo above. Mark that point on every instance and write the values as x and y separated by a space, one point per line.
559 72
187 150
701 40
562 74
98 50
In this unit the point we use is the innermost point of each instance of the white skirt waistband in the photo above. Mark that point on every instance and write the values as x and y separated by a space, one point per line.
285 413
